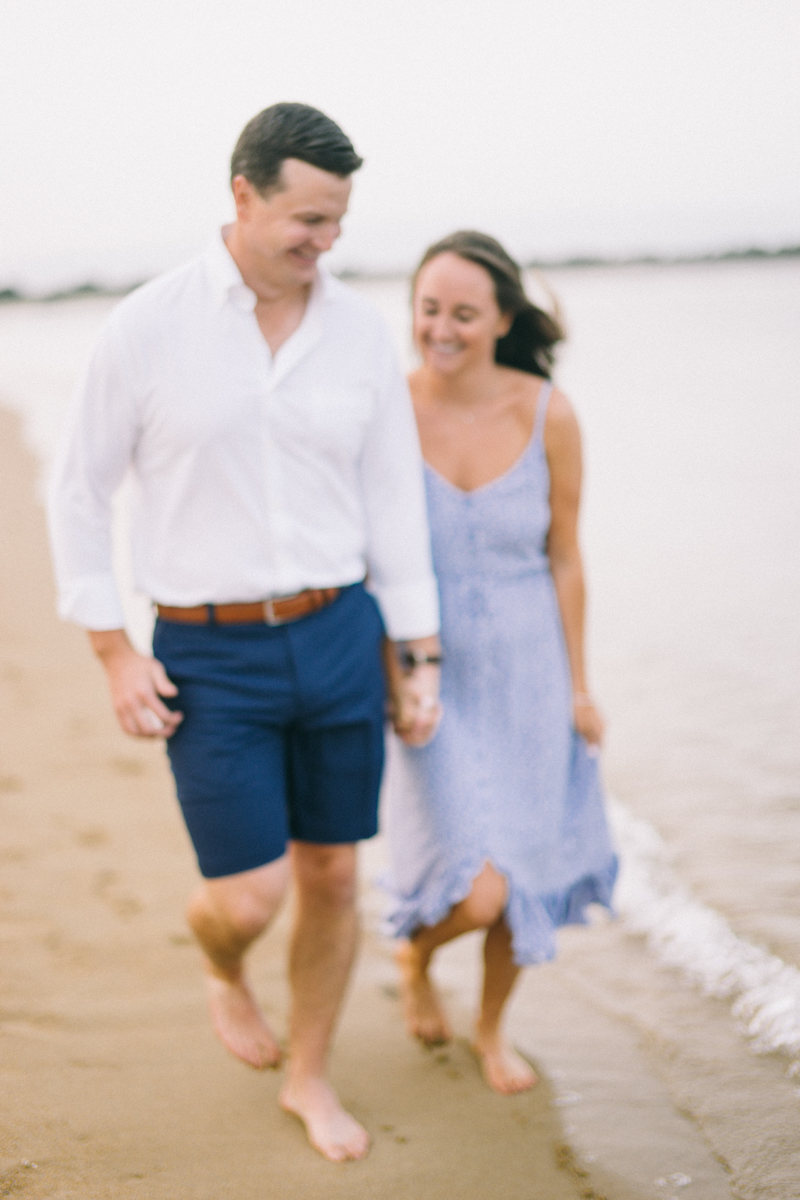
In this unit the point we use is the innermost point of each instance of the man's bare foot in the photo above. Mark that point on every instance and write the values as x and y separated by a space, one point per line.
239 1023
504 1069
424 1015
330 1129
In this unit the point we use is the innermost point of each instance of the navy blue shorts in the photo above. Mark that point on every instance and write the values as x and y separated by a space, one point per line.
282 736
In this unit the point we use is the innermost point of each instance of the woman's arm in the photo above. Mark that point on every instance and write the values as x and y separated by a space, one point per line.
562 441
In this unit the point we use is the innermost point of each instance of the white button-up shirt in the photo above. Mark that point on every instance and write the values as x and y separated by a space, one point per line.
255 475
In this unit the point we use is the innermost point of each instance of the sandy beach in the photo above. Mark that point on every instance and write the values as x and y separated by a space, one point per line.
111 1081
113 1085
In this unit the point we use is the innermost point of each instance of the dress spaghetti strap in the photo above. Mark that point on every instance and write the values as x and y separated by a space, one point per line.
545 392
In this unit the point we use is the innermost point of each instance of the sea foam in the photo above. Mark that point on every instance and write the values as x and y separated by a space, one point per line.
689 935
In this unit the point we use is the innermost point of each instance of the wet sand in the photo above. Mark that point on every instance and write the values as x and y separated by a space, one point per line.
113 1085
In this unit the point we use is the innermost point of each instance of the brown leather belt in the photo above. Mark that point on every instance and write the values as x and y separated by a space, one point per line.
267 612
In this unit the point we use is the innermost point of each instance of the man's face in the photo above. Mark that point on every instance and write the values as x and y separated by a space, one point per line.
286 231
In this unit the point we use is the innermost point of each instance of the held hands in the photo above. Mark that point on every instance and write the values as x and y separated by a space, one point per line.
414 705
414 708
588 719
136 683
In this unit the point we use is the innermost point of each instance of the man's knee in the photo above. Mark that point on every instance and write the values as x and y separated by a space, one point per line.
248 901
325 874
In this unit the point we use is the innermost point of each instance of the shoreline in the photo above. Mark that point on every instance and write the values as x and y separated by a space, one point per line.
10 294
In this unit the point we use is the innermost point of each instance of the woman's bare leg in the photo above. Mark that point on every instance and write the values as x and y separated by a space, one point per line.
503 1069
424 1014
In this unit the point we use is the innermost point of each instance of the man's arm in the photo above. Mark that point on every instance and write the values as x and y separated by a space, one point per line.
136 683
399 557
97 448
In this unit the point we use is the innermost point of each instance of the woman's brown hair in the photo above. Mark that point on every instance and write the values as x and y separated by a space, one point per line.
529 343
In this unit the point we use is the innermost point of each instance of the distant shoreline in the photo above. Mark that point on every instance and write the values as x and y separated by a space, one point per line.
11 295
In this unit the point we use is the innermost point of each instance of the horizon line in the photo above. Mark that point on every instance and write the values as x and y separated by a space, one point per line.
13 295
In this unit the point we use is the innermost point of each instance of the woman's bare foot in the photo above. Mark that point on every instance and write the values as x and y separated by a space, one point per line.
425 1018
504 1069
239 1022
330 1129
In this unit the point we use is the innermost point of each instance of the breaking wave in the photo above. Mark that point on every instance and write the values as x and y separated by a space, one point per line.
684 933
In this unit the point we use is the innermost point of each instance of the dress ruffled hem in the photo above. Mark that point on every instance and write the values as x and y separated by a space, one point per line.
533 919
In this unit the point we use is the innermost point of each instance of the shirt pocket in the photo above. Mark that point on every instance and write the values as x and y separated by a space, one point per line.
334 418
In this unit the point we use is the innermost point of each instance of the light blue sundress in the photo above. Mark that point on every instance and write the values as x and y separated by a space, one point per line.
506 780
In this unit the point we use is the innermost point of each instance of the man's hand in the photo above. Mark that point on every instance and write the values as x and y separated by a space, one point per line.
414 707
136 682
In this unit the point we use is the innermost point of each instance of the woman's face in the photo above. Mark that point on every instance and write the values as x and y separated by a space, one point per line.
456 317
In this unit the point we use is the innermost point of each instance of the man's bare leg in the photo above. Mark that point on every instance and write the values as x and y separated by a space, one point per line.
322 953
503 1068
424 1015
227 914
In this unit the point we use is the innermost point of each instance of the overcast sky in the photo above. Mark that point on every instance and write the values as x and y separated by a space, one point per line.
570 126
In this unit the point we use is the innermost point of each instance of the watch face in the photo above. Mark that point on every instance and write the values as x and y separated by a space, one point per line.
411 660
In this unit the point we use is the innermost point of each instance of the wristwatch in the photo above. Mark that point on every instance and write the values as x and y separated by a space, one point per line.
409 659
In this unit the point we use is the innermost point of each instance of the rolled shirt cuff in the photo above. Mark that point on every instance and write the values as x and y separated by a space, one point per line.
409 610
93 602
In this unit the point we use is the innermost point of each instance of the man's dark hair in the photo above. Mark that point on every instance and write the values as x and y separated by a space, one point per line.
291 131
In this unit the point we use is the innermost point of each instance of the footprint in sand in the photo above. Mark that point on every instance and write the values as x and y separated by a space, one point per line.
127 766
92 837
123 905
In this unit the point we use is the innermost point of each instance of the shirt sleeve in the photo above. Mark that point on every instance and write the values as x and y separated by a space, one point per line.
96 450
400 570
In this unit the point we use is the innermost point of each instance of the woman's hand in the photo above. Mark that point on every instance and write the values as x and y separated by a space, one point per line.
588 719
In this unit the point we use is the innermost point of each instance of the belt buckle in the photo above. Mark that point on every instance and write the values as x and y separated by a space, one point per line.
270 616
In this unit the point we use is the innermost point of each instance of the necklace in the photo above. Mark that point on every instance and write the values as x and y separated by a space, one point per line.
467 413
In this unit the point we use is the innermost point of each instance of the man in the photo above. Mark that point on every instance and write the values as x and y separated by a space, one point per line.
275 461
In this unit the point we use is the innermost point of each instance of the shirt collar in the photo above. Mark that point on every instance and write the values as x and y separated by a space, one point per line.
228 285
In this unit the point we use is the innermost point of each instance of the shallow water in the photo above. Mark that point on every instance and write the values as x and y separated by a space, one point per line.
685 382
692 533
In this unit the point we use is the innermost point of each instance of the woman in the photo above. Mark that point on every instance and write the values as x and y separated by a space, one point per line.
498 823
